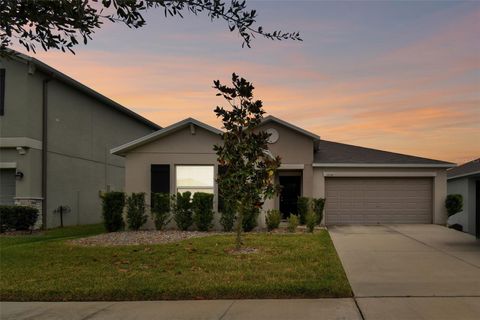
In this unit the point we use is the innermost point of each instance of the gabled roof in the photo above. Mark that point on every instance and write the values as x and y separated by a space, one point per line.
291 126
55 74
466 169
121 150
338 154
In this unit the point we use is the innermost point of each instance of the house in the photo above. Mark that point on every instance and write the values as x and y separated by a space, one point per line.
361 185
55 137
465 180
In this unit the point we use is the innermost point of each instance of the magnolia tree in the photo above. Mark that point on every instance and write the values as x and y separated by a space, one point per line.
249 166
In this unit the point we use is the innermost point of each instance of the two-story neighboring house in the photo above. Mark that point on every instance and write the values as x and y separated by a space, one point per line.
55 141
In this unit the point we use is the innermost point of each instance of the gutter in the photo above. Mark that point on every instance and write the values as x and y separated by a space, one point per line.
384 165
44 149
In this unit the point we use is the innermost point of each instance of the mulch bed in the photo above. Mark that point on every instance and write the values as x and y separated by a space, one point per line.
139 237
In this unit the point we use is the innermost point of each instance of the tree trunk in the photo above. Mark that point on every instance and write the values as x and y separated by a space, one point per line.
240 207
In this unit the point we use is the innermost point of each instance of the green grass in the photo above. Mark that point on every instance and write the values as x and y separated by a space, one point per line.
46 268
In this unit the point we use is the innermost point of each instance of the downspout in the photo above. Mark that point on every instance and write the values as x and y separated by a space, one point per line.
44 150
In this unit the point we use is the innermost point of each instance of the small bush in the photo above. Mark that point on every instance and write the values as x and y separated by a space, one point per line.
112 210
250 218
227 216
202 205
136 216
182 210
161 209
17 218
292 223
272 219
310 221
454 204
303 206
318 206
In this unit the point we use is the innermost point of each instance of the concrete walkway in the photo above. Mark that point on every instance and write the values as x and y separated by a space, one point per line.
411 271
305 309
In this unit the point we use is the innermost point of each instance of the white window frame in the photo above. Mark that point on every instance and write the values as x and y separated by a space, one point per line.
212 187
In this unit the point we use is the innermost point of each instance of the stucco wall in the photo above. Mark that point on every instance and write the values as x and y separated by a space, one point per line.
81 132
438 176
179 148
466 187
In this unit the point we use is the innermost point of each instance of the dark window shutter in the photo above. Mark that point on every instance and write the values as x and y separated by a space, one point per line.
2 92
160 178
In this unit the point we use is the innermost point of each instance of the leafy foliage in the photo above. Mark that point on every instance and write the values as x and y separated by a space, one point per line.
182 210
112 210
250 218
227 215
17 218
60 24
272 219
249 165
292 223
161 203
454 204
303 206
202 205
136 216
310 220
318 206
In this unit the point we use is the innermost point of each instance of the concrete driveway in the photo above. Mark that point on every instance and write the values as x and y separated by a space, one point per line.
411 271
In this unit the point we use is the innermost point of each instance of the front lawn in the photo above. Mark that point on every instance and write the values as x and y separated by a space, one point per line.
46 267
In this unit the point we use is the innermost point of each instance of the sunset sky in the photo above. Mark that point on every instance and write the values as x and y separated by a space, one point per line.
399 76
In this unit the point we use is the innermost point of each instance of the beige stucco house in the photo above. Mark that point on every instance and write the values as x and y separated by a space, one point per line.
55 141
361 185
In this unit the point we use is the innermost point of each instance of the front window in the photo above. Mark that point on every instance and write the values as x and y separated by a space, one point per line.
195 179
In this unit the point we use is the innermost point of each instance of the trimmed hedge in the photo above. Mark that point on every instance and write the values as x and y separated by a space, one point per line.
136 216
292 223
17 218
250 218
303 206
112 210
161 207
182 210
454 204
227 215
202 205
272 219
318 206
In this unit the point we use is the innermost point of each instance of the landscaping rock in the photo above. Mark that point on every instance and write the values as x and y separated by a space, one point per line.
139 237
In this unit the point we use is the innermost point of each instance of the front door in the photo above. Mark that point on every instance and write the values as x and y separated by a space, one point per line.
291 189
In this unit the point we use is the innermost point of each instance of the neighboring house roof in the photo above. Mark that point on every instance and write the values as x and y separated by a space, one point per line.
54 73
291 126
338 154
466 169
121 150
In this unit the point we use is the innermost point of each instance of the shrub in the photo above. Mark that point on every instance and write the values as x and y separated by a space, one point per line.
292 223
250 218
227 216
182 210
310 220
17 218
318 206
272 219
161 209
112 210
136 216
454 204
303 205
202 205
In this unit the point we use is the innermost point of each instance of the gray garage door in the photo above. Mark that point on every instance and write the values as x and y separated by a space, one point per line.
378 200
7 186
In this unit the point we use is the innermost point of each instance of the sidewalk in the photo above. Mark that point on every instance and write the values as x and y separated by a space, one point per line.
300 309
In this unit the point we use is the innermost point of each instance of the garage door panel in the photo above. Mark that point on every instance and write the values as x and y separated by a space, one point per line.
378 200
